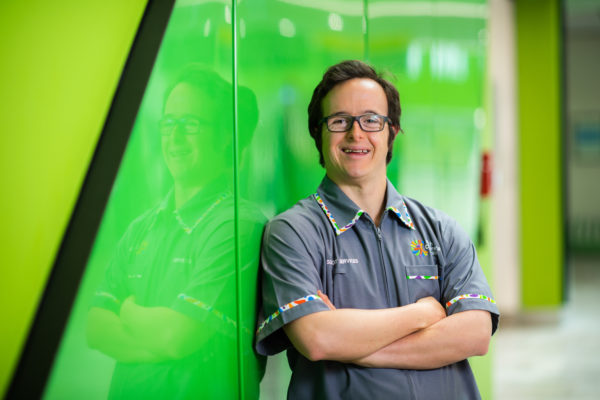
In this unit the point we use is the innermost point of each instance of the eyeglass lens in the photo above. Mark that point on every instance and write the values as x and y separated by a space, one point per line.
189 125
367 122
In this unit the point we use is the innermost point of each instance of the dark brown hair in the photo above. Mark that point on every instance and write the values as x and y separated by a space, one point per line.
343 72
206 80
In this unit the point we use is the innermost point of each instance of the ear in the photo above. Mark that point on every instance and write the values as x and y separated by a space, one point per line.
394 130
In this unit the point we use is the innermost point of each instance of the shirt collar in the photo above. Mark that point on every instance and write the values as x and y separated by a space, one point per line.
343 212
202 200
396 205
190 214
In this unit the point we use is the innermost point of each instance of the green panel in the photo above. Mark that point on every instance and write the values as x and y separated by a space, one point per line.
156 315
435 54
539 77
61 62
283 50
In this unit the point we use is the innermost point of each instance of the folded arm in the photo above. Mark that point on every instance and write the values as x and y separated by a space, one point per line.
145 334
165 332
449 340
106 333
351 334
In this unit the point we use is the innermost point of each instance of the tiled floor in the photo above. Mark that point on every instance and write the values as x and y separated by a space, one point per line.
554 355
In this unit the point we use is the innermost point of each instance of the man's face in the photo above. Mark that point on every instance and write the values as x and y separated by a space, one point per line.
188 134
355 156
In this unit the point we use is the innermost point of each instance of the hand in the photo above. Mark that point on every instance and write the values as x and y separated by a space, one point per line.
128 310
326 300
433 310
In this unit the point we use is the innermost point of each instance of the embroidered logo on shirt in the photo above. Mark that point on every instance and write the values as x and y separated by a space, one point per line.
417 248
142 247
431 247
423 248
343 261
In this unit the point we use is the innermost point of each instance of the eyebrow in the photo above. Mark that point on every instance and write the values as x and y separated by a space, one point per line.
363 113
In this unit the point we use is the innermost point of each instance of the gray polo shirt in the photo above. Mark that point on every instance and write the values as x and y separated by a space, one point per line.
325 242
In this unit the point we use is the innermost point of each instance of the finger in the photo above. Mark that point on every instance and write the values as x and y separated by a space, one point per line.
326 300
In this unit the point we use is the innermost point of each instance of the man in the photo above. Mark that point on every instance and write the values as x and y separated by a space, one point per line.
374 295
167 311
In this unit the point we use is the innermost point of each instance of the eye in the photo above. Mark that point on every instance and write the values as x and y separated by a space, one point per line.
166 123
371 122
371 119
191 125
337 121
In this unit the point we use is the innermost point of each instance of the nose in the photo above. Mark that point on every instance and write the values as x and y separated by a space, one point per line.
355 132
178 133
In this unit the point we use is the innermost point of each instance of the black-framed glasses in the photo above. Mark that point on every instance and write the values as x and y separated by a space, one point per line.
190 125
369 122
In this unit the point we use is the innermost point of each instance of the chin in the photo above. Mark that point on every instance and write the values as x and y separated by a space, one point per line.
188 178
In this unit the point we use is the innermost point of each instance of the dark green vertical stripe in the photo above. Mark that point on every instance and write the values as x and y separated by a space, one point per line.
564 145
236 198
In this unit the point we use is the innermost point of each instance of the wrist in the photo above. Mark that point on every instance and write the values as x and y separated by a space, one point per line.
127 312
422 315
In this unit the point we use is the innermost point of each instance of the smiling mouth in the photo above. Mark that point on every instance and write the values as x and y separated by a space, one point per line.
353 151
180 153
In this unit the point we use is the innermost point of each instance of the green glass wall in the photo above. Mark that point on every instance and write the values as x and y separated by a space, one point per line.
157 312
167 304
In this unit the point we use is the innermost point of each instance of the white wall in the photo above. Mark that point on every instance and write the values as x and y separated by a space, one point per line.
505 206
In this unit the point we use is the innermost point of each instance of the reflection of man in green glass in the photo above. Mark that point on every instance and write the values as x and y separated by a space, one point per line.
193 142
166 311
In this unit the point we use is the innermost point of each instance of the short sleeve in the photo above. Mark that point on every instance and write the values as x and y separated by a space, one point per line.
464 286
290 258
210 288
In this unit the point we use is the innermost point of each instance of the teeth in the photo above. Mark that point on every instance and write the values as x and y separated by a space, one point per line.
180 153
355 151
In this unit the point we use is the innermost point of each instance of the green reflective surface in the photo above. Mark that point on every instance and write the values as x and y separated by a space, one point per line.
157 313
167 305
283 50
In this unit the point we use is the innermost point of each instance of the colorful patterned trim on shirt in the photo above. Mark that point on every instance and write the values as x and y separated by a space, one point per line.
470 296
189 229
338 230
422 277
404 215
208 308
108 295
286 307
